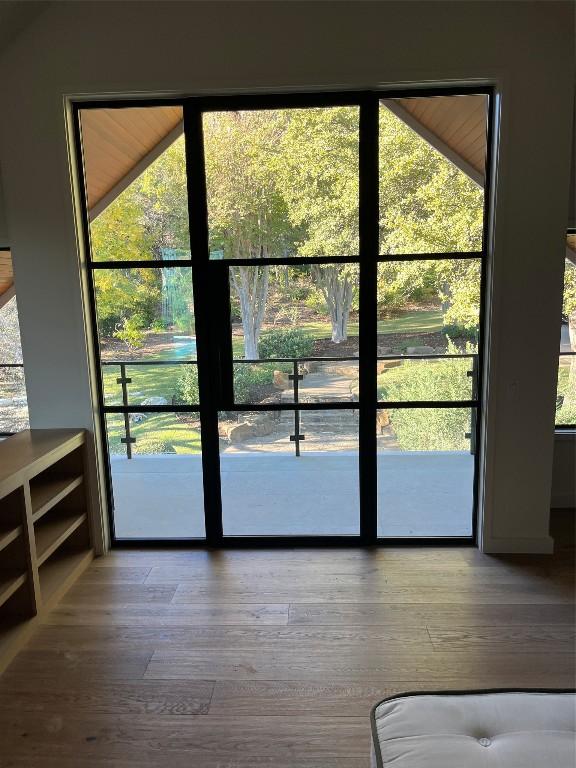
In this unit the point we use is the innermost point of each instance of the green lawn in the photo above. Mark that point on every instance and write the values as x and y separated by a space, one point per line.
428 321
158 427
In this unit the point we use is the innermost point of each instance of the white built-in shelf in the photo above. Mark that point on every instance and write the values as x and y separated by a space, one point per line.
10 582
9 533
59 571
44 527
53 530
48 492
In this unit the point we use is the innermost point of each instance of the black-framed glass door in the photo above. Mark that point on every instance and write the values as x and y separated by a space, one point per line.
296 378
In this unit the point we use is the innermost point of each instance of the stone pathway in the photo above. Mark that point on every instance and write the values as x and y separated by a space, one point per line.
324 430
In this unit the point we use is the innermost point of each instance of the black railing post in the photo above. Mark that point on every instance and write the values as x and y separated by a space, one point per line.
296 437
128 439
473 374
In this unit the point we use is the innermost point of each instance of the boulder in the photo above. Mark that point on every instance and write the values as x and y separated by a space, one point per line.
155 401
281 380
386 365
423 350
382 419
262 424
240 432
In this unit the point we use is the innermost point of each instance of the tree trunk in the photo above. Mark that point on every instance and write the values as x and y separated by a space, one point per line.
251 286
338 292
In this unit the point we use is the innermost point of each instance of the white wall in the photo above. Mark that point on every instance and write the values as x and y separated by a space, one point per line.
188 48
564 471
4 236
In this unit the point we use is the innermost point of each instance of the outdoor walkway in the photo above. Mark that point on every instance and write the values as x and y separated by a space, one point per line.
419 494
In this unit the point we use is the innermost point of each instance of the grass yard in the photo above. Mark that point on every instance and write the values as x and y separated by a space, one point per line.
157 433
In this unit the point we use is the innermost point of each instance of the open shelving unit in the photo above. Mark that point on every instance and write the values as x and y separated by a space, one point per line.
45 540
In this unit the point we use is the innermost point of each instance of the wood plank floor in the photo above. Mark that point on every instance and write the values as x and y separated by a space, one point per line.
272 659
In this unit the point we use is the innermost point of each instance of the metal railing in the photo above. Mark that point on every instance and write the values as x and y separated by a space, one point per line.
295 376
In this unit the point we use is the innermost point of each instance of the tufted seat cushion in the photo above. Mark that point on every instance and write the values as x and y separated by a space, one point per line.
507 729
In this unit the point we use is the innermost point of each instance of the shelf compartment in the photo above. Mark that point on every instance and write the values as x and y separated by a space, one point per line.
10 582
53 531
48 492
60 571
8 534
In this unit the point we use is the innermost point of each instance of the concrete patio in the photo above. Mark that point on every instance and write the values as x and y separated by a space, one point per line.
419 494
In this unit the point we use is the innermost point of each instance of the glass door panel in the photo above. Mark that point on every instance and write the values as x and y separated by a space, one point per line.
288 474
425 472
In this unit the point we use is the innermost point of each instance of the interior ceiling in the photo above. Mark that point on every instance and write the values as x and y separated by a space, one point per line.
15 16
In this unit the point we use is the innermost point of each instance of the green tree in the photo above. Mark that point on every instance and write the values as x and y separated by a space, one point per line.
246 212
317 168
427 205
146 217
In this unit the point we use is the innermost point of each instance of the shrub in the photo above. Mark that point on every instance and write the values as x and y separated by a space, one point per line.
286 342
431 429
187 386
460 332
131 331
427 429
248 378
566 414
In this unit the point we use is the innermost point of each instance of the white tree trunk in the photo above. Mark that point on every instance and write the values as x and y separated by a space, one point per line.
338 292
251 286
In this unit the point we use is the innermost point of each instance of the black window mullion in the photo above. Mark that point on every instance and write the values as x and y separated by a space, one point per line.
206 306
368 315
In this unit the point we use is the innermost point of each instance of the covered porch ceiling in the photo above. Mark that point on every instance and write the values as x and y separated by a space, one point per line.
119 144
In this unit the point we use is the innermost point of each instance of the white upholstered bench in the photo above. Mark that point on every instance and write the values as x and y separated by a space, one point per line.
476 729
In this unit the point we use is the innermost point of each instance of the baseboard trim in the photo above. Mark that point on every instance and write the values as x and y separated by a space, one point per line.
543 545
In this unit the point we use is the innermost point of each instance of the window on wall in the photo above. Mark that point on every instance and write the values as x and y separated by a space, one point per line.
566 390
13 403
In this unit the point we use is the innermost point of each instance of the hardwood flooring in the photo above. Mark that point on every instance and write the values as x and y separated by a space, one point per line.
273 659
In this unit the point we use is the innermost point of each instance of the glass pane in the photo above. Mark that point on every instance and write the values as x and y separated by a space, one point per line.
282 182
428 307
13 400
428 379
158 491
566 393
425 471
154 383
148 219
269 490
147 316
432 159
283 314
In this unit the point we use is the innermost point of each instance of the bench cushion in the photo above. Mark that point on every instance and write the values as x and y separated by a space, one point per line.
504 729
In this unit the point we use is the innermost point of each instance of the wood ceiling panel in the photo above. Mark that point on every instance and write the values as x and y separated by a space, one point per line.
458 121
6 272
115 140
